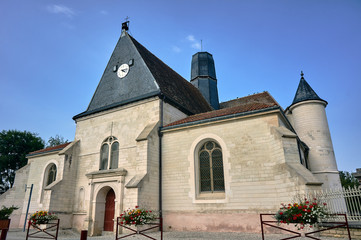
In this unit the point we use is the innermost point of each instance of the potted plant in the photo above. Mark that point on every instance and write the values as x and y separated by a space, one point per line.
5 213
304 214
41 218
137 216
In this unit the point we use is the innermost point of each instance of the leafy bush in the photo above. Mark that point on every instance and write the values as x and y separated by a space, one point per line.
5 212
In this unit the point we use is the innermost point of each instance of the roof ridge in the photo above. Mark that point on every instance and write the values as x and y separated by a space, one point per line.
241 108
60 146
185 80
246 96
174 87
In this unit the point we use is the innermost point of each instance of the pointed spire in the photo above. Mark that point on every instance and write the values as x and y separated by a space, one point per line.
305 92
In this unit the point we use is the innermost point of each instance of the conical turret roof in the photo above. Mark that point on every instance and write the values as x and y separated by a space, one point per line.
148 76
305 92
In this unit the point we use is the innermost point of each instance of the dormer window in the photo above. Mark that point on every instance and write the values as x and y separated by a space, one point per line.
109 154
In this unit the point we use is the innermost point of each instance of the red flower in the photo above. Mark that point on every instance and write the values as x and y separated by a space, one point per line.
299 207
281 213
136 206
324 204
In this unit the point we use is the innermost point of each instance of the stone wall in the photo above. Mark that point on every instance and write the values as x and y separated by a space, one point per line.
16 196
138 156
261 170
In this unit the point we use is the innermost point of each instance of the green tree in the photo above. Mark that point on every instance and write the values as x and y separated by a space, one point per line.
14 145
57 140
348 180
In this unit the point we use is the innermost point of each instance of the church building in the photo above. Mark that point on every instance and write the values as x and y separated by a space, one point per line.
153 139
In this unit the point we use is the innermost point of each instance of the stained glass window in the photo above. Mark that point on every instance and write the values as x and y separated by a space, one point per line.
211 168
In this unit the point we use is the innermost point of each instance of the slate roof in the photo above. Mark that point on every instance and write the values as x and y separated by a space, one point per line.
305 92
173 85
148 77
49 149
259 101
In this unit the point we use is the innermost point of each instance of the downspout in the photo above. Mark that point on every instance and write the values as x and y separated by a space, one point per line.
160 135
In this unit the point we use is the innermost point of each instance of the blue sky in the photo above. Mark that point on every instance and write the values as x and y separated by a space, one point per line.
53 54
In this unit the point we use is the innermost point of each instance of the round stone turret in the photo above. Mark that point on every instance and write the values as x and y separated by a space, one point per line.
311 125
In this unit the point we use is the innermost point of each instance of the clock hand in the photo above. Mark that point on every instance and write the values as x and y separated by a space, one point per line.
123 70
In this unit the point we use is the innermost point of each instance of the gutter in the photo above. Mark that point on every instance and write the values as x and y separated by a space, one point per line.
160 135
114 105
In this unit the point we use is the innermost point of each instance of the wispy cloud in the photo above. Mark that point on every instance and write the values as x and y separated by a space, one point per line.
61 9
176 49
190 38
194 43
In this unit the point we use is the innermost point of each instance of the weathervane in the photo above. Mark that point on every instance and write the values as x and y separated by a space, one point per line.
125 25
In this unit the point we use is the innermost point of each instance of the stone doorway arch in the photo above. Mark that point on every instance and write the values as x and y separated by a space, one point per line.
101 183
104 210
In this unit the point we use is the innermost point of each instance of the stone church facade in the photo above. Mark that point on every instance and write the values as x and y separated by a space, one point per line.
153 139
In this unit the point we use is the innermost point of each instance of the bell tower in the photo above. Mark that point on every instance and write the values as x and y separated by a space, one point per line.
203 77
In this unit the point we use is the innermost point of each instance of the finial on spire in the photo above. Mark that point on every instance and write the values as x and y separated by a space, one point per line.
125 25
302 74
201 46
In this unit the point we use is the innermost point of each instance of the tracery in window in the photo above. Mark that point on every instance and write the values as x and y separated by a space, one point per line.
51 174
211 175
109 154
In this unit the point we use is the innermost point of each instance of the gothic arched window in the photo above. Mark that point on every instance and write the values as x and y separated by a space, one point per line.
211 177
109 154
51 174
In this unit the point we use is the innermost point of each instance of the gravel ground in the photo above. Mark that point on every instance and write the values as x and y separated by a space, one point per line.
71 235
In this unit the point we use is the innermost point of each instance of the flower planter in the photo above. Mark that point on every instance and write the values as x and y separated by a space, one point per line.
140 229
42 226
313 232
49 230
4 224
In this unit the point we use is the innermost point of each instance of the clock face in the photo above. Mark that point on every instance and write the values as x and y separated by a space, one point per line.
123 70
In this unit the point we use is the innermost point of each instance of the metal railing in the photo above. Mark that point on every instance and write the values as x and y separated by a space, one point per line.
331 225
341 201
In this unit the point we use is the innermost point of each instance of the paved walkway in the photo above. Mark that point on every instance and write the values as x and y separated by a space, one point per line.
71 235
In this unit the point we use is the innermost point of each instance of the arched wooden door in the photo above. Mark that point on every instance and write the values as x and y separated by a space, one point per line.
109 211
